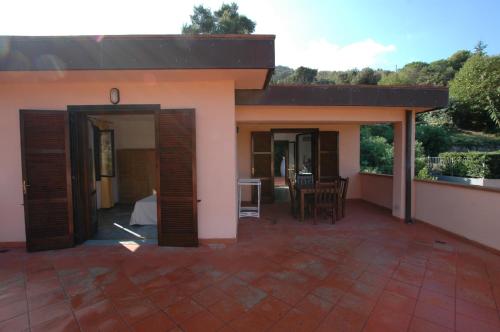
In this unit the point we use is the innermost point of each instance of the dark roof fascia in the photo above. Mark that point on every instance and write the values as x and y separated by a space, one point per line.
345 95
135 52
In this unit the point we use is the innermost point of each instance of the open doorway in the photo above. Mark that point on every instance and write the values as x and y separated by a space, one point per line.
293 153
159 155
60 182
122 157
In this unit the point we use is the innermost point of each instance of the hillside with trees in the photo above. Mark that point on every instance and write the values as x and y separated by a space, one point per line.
470 123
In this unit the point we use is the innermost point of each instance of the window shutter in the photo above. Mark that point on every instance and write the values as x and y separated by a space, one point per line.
46 179
328 156
177 200
262 164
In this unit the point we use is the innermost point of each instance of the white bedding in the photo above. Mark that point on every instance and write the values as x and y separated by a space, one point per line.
144 211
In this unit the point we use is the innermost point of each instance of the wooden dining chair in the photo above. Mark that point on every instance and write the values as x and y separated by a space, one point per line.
305 179
325 199
341 202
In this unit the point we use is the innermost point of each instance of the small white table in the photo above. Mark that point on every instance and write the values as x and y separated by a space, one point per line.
249 211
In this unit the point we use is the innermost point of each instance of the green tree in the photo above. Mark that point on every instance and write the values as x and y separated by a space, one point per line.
281 74
366 76
376 155
457 59
410 74
303 75
383 130
226 20
480 48
434 139
475 93
438 72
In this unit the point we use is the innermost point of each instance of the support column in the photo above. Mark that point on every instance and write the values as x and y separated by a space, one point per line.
398 183
409 164
403 167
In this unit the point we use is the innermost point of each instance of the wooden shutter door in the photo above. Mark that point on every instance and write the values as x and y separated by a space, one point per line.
262 164
176 176
46 179
328 156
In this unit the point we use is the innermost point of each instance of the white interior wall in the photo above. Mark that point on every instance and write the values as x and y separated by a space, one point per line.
133 131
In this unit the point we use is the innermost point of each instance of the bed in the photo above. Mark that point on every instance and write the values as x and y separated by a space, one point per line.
144 211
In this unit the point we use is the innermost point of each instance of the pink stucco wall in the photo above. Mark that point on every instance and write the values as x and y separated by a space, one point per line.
377 189
473 213
221 156
215 133
318 114
348 150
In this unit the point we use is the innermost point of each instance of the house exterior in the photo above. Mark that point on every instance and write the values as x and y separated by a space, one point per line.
208 94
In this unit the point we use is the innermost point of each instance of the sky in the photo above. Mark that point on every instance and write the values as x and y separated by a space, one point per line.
321 34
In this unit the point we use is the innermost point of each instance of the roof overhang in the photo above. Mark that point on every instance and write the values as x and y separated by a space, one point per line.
150 52
420 98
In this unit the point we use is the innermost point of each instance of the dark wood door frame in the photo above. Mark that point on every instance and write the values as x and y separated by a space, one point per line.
79 146
294 130
315 151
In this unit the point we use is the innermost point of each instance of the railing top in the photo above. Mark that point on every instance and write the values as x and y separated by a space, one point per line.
460 185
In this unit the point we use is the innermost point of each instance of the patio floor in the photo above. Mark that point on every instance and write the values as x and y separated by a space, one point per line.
367 272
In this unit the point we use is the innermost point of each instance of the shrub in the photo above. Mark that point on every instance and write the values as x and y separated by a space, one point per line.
434 139
493 165
424 174
471 164
383 130
376 155
420 160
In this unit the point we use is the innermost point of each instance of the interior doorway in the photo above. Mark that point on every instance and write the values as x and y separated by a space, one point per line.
114 157
123 154
279 155
60 175
293 153
134 174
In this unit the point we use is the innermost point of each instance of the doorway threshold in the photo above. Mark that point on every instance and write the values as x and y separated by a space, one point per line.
119 242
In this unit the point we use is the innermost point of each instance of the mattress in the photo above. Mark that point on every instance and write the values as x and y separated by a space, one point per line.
144 212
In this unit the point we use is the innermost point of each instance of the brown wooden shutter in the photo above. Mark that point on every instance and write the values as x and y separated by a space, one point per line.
176 174
46 179
262 164
328 156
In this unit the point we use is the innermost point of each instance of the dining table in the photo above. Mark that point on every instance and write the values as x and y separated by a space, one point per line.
303 190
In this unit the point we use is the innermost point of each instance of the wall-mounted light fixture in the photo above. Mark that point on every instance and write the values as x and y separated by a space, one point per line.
114 96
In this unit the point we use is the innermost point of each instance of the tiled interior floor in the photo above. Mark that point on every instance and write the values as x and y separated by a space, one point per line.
120 215
367 272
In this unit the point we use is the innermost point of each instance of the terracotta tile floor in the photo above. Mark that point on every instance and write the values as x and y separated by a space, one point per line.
367 272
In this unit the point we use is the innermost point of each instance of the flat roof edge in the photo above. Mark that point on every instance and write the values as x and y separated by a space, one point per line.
345 95
121 52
